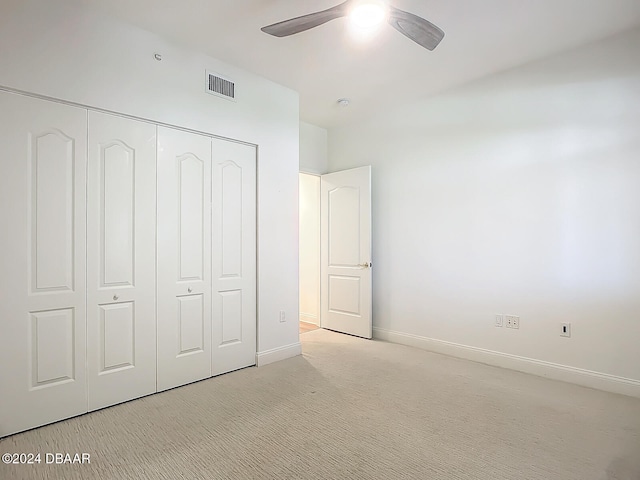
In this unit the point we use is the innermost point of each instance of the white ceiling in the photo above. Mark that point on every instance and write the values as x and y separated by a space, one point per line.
326 63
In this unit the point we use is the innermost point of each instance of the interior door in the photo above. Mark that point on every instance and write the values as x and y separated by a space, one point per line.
121 224
43 149
234 256
184 258
346 251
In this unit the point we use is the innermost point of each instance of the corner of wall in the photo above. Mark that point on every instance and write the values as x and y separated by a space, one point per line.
276 354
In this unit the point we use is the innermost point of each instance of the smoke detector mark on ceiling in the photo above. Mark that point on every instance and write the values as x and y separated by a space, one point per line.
220 86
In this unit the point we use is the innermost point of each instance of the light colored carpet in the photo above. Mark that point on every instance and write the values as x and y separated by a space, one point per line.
352 409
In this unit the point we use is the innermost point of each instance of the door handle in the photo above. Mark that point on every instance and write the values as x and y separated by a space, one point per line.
189 289
364 265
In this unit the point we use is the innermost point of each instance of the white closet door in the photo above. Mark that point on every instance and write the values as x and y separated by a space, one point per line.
184 257
234 256
121 326
42 268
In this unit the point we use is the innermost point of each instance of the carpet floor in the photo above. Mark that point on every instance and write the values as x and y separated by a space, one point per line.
351 409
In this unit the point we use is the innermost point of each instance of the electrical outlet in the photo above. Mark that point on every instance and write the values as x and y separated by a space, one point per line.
499 320
283 317
512 321
565 330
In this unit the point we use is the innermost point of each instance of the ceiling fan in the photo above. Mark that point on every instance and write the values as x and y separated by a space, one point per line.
421 31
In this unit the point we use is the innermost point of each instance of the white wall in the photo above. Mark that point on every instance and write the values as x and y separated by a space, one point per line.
313 149
61 50
516 194
309 254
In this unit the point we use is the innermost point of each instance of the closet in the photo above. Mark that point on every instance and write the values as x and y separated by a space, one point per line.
128 259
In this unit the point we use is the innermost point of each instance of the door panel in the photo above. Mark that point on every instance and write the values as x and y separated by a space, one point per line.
346 251
231 316
344 294
117 337
234 256
344 226
121 335
42 191
52 347
184 257
52 211
191 224
191 314
116 164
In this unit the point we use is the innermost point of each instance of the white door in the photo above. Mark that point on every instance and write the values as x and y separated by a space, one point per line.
234 256
184 258
121 210
346 251
43 149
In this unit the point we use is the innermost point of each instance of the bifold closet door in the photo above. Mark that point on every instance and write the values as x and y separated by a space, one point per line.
121 274
43 149
234 256
184 257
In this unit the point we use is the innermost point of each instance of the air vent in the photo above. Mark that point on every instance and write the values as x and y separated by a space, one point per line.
220 86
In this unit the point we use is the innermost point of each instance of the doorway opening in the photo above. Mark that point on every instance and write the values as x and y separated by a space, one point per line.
335 251
309 251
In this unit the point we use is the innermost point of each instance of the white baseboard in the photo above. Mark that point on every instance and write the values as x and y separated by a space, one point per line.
309 318
277 354
579 376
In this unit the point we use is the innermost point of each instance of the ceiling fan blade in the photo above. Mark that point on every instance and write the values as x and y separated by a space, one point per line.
306 22
418 29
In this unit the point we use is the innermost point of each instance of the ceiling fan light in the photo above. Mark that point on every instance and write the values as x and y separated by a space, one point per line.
368 14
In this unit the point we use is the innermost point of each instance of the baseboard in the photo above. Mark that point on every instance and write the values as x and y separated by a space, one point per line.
277 354
309 318
579 376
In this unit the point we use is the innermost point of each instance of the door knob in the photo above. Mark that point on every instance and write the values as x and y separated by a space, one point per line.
364 265
116 297
189 289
